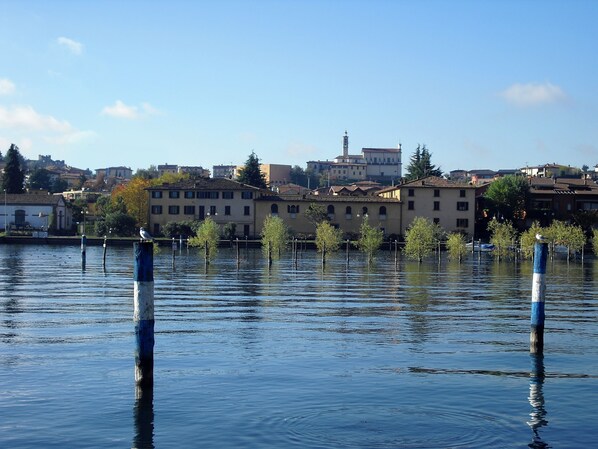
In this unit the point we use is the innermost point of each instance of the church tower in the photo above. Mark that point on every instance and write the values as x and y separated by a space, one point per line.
345 146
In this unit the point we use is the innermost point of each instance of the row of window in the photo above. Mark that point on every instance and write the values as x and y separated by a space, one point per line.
461 205
461 222
190 210
203 194
462 193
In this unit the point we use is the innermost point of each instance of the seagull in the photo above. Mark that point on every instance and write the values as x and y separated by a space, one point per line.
540 237
144 234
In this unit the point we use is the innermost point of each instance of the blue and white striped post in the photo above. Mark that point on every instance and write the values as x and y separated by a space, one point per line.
536 338
143 314
83 250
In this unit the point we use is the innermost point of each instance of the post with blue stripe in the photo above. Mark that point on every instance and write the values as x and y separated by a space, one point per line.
143 314
83 250
536 338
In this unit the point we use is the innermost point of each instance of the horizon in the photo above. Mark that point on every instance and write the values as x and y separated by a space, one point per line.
492 84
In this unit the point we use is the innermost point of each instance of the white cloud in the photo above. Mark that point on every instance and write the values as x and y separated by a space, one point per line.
121 110
28 120
7 87
533 94
74 46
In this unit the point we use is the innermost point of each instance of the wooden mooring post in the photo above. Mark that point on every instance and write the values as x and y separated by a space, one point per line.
536 338
105 245
143 312
83 250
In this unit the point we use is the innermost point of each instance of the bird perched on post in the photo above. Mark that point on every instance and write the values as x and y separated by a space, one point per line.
144 234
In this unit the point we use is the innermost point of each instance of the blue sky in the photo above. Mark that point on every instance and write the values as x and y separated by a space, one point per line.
484 84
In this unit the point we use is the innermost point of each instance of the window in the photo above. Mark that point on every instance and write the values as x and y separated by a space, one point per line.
173 210
364 211
462 223
189 194
156 210
436 193
462 205
246 210
330 211
411 205
226 210
189 210
436 205
246 195
436 220
207 195
411 192
156 194
202 212
227 195
245 230
348 212
382 212
212 210
274 210
174 194
462 193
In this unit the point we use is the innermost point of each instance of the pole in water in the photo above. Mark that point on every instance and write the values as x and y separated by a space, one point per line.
536 338
396 253
83 250
104 253
173 251
143 312
238 255
347 251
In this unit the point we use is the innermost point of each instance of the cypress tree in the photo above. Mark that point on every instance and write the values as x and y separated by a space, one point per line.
251 174
14 176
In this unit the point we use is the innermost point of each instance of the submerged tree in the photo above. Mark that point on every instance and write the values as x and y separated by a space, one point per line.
570 236
420 164
370 239
14 175
456 246
208 235
595 241
503 236
421 238
528 240
251 173
328 238
275 236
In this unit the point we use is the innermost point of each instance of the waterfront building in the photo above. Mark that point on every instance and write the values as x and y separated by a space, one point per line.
34 211
449 204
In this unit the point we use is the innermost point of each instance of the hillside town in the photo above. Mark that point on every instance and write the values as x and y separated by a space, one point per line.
378 184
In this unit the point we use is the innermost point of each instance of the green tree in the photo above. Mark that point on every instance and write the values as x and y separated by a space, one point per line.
328 238
370 239
421 238
316 214
59 185
571 236
508 197
528 240
116 223
14 175
420 164
208 235
40 179
503 237
251 173
456 246
595 241
147 173
275 235
185 228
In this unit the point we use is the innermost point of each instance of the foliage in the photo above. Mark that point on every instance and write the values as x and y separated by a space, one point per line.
503 236
40 179
420 164
229 231
528 240
275 235
421 238
14 175
78 208
116 223
59 185
571 236
586 219
251 174
208 234
456 246
328 237
147 173
595 241
184 228
316 213
508 197
304 178
135 198
370 239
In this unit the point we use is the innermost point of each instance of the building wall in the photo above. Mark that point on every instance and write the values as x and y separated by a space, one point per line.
276 174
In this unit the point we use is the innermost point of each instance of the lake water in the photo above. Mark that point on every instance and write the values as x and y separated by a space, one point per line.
414 356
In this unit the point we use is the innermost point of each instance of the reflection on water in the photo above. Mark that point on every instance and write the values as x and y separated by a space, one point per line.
536 400
294 355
